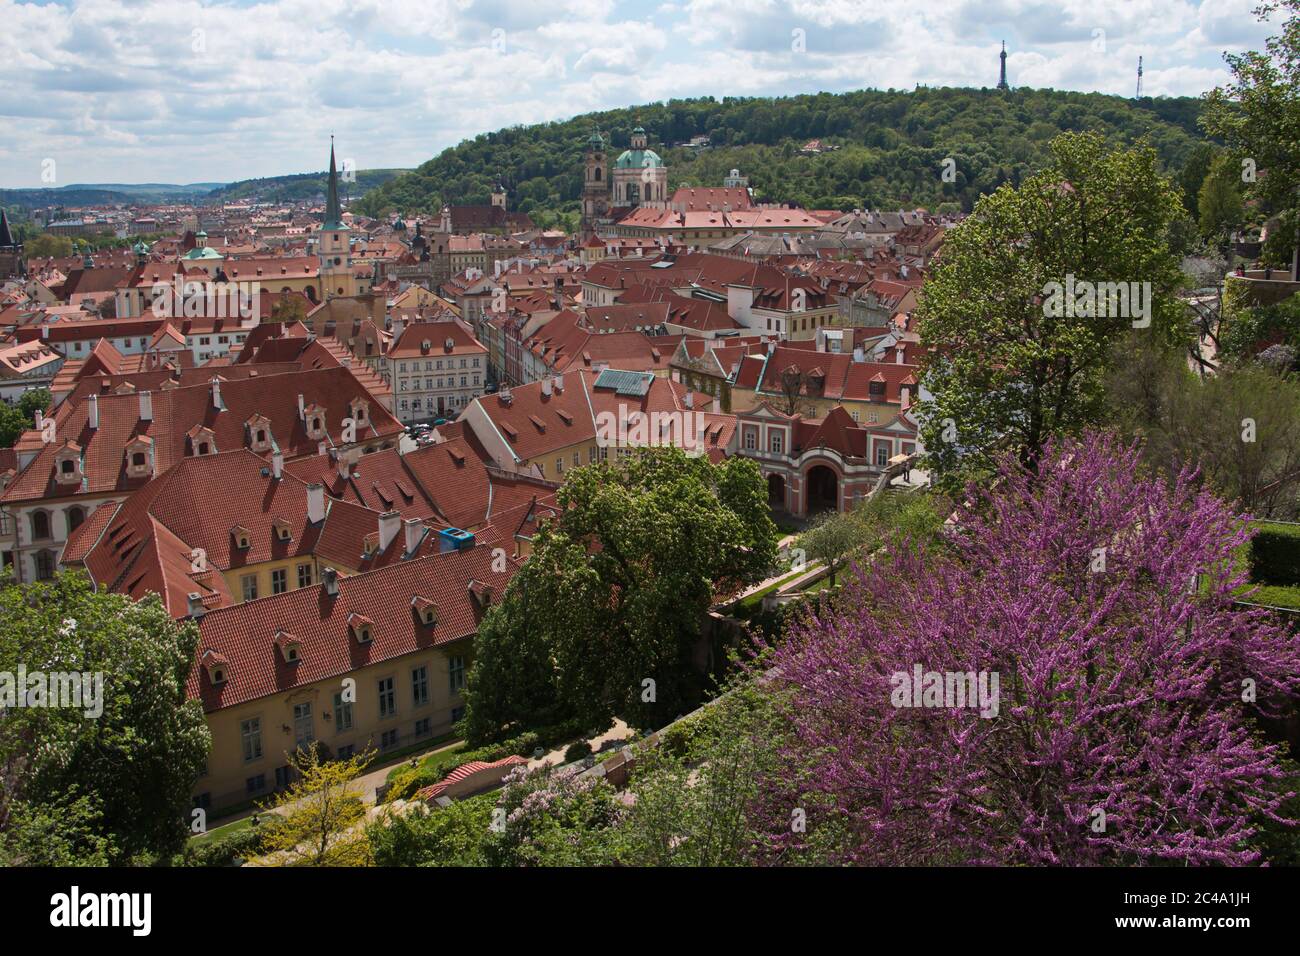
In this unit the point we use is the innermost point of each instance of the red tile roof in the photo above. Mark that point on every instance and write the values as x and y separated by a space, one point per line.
244 634
176 412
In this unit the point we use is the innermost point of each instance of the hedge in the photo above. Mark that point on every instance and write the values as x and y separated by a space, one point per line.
405 782
222 851
1275 554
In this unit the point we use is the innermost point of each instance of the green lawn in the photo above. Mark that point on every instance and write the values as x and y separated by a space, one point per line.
448 758
1274 595
225 831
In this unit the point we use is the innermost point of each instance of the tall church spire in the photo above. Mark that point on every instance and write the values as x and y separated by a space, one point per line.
1002 82
333 215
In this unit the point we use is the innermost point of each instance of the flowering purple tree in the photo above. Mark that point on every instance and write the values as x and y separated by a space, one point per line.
1068 683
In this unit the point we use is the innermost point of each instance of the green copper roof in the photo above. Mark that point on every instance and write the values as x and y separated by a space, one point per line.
596 140
333 215
638 159
202 252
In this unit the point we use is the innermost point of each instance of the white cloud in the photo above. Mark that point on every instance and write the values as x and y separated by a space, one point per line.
189 90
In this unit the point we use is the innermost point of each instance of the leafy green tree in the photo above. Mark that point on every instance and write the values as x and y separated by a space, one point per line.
15 419
1193 175
65 832
1258 115
1011 362
134 754
606 616
1240 427
46 246
426 836
832 538
691 804
1219 201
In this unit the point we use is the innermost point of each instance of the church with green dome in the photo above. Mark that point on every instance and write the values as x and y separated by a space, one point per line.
640 176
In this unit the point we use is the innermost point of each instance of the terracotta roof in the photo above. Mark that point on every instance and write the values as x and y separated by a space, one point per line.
177 411
244 634
411 343
464 772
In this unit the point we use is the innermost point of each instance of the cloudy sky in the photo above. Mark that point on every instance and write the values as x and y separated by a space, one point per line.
187 91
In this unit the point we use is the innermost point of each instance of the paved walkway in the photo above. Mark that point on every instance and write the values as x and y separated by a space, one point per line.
606 741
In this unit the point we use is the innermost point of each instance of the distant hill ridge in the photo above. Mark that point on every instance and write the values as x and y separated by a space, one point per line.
891 147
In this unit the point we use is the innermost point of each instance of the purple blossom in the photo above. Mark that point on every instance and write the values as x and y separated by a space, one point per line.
1122 735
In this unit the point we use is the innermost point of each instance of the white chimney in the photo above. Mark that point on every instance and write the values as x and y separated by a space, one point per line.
302 408
559 383
414 534
329 579
906 399
689 399
859 354
315 503
146 406
717 407
389 523
898 356
194 605
94 412
321 448
277 465
343 466
216 393
546 387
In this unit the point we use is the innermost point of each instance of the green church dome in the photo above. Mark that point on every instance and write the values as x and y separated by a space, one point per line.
638 159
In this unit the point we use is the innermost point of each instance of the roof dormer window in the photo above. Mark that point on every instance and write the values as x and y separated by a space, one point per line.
362 628
290 647
242 538
425 610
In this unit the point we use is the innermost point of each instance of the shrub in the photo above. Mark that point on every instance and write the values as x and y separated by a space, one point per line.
222 851
577 751
1275 554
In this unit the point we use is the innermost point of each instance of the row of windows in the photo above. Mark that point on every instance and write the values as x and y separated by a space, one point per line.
304 727
144 342
775 440
431 365
285 775
42 529
450 401
248 583
413 385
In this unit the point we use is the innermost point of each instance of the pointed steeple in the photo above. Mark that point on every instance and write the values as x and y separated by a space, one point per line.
333 215
6 237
